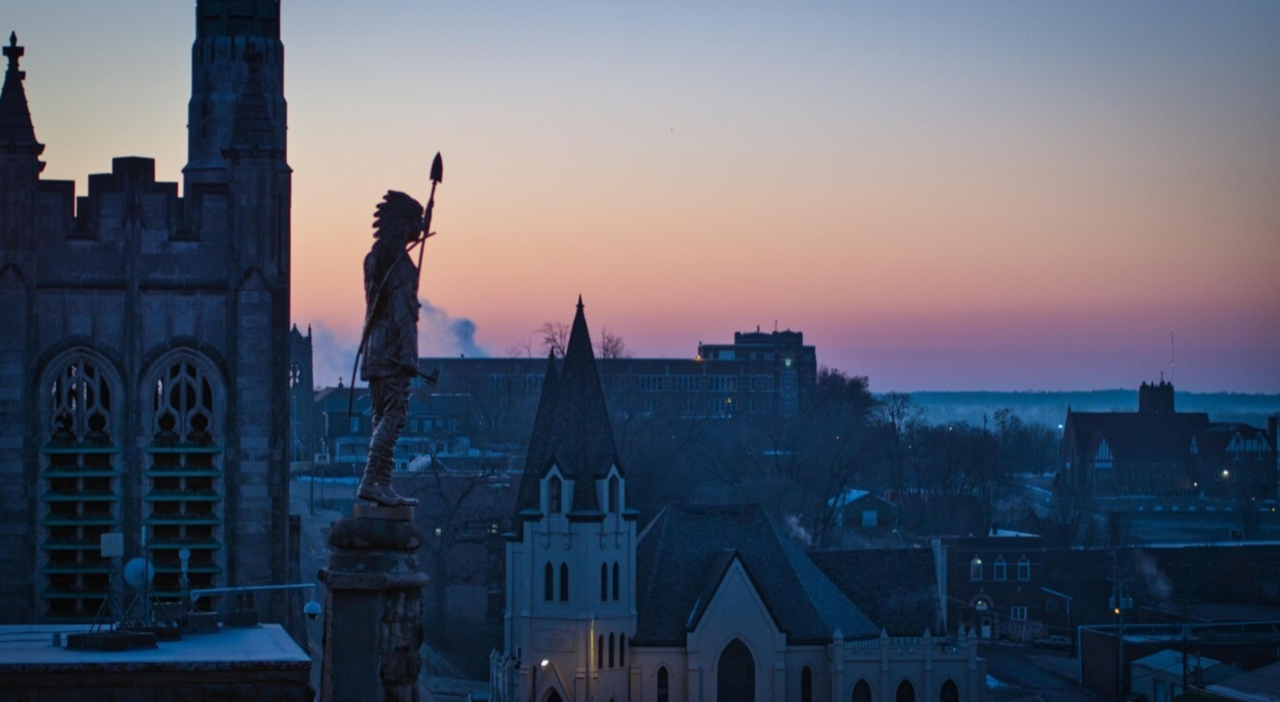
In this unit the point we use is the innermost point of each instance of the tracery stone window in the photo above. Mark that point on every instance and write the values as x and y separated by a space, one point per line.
184 474
80 486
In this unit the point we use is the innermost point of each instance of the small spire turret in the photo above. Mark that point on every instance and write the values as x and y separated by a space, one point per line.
16 130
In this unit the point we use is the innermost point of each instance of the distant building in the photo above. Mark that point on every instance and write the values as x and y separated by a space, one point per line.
1158 451
304 419
477 401
146 341
994 583
702 603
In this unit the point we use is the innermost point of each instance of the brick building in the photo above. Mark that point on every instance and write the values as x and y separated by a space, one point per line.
1158 451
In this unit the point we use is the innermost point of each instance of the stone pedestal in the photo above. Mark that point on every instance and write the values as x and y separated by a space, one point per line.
373 611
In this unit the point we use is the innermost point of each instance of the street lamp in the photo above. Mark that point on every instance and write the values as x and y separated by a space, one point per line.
533 692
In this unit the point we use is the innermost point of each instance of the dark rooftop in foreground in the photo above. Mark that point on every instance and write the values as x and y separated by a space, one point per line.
232 664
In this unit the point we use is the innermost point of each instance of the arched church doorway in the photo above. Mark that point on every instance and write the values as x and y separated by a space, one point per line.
736 673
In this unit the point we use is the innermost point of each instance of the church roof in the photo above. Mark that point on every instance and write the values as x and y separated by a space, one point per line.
1144 437
571 429
16 129
684 555
895 588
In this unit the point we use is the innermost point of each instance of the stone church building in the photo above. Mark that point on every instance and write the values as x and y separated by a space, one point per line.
699 604
144 357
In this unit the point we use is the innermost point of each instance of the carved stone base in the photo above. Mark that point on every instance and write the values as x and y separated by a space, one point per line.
369 510
373 612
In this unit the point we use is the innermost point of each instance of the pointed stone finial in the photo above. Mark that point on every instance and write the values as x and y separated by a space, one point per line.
13 51
579 302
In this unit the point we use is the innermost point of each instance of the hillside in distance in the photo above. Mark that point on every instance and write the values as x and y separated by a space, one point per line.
1050 408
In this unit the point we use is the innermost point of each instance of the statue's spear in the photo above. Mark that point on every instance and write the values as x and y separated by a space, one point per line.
437 177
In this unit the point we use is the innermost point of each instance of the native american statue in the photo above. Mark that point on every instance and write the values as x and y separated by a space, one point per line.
389 343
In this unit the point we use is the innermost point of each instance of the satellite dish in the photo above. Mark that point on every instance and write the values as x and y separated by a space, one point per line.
138 572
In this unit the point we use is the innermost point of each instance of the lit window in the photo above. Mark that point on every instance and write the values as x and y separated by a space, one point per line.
975 569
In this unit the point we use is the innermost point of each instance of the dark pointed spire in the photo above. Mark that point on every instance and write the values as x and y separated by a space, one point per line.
539 456
254 130
572 428
16 131
582 435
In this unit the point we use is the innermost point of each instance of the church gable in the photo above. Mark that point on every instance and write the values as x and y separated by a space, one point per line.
733 608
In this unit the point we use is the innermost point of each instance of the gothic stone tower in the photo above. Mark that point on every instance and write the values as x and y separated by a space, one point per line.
570 583
144 364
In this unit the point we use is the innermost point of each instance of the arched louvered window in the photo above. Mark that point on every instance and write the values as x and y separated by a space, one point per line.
622 650
183 476
613 495
600 652
616 573
604 582
548 583
806 684
736 673
80 492
664 685
611 643
564 582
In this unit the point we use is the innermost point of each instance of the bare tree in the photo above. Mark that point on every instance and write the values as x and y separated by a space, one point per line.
554 337
611 345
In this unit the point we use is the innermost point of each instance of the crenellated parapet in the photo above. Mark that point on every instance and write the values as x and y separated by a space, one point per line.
130 226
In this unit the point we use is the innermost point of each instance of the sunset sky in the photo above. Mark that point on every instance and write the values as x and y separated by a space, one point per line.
940 195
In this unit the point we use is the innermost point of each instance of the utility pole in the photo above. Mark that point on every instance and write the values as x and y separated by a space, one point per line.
1119 602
